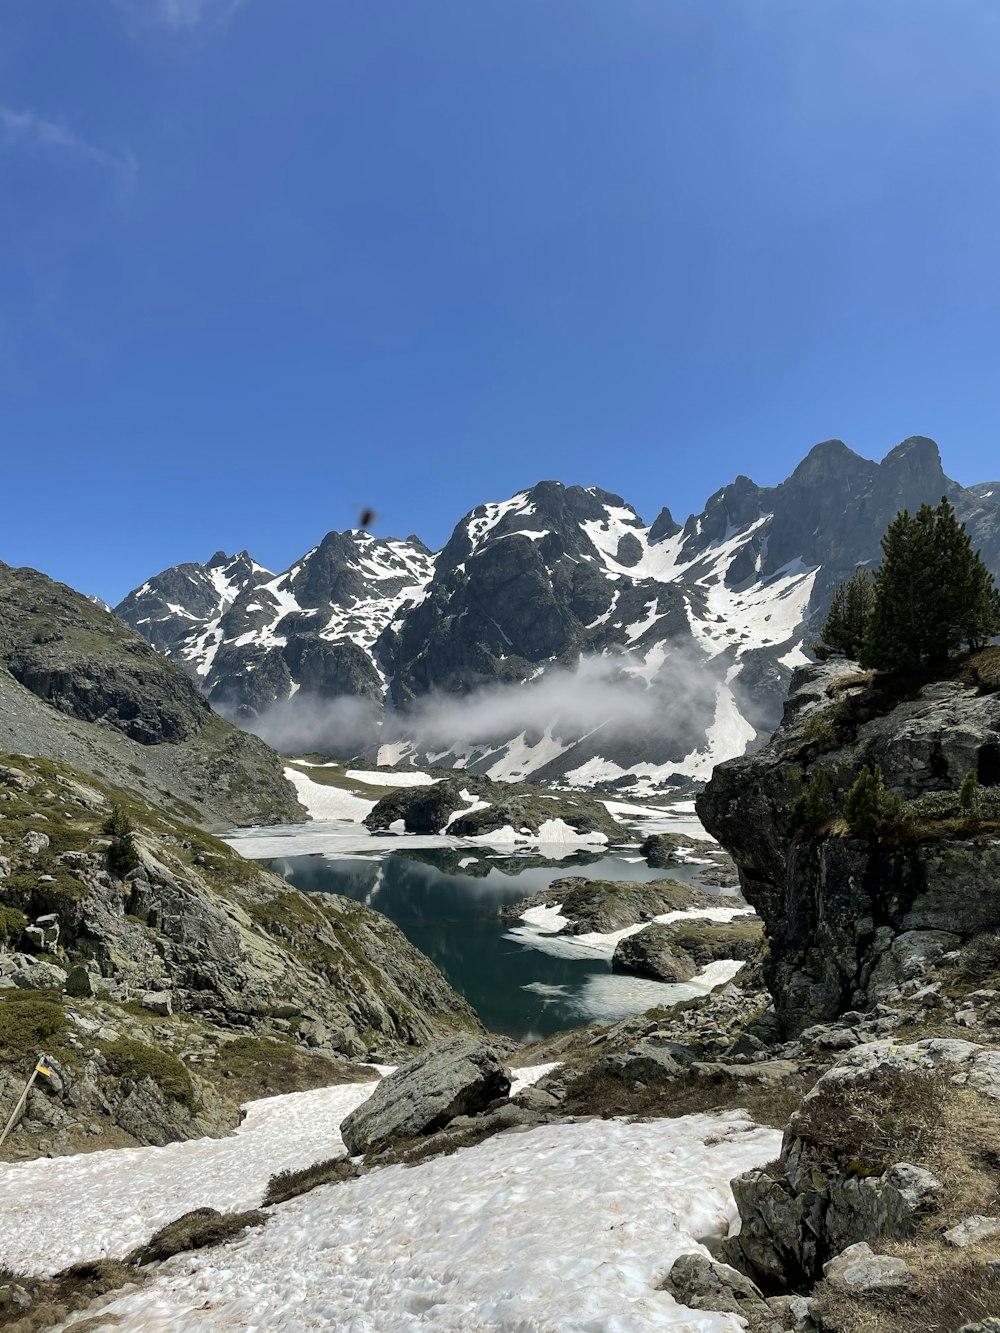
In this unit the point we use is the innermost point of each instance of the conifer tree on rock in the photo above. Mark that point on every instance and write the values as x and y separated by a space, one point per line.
933 594
846 627
869 809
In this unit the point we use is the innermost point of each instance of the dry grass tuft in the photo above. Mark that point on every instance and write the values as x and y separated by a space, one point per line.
979 960
855 680
914 1117
289 1184
596 1093
951 1288
983 669
196 1230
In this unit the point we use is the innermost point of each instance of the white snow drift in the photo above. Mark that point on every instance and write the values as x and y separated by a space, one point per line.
559 1229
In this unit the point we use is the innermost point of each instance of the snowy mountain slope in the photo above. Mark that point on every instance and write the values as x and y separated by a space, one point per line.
251 637
557 634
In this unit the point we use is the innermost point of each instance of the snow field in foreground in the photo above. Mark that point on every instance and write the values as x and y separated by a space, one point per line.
560 1229
57 1211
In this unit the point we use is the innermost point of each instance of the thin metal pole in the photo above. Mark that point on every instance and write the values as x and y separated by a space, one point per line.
22 1100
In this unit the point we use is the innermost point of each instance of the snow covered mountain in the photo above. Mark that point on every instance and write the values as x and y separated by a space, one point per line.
557 634
250 637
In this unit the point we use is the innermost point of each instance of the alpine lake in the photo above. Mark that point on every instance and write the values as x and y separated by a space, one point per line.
453 902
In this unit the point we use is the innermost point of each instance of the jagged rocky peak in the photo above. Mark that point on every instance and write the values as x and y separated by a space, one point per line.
166 607
732 508
343 568
252 638
558 576
568 519
664 525
847 919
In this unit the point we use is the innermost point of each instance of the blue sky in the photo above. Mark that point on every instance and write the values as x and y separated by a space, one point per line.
266 262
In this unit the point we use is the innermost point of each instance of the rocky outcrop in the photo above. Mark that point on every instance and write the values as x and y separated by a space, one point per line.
472 806
848 921
79 685
832 1186
456 1077
675 951
702 1284
138 986
604 905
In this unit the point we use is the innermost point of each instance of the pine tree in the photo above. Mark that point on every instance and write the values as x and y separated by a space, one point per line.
122 853
932 593
868 808
814 807
846 627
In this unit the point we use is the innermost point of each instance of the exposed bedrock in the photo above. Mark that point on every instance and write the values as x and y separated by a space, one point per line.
847 920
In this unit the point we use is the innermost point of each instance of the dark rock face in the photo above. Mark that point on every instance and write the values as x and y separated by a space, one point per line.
78 684
85 663
459 1076
845 919
650 953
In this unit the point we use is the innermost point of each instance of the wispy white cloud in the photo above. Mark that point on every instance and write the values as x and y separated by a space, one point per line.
28 129
179 15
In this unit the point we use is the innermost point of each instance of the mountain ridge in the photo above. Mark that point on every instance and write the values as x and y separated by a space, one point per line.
556 583
79 686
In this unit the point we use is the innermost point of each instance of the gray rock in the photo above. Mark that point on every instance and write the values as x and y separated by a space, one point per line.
651 953
971 1231
459 1076
44 932
34 842
649 1060
79 983
859 1269
991 1325
157 1002
537 1099
794 1314
702 1284
314 1032
975 1065
30 973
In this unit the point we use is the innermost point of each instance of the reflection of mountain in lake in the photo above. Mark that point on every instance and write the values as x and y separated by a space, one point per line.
462 861
453 916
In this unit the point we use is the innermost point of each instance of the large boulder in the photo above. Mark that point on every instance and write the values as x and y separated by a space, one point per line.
460 1076
676 950
651 953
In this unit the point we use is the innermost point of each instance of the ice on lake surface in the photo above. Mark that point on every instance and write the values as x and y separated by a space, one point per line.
447 896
